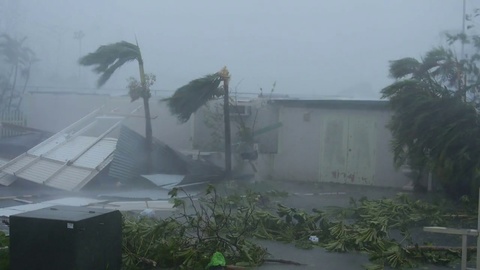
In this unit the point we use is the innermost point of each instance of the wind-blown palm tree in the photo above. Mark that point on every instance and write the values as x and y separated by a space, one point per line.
189 98
20 59
435 123
107 59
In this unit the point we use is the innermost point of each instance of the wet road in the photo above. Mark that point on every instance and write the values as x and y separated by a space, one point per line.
308 196
302 195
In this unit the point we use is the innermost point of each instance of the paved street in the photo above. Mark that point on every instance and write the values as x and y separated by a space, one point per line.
302 195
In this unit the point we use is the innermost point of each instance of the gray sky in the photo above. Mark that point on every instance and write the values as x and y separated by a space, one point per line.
309 47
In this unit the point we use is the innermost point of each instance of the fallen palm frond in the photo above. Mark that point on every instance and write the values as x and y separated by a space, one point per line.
230 223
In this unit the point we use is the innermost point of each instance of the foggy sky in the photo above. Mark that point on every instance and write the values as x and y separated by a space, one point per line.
310 48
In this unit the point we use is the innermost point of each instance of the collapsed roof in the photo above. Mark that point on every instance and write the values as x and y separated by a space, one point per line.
69 159
129 161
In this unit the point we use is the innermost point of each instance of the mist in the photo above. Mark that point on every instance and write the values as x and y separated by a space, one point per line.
309 48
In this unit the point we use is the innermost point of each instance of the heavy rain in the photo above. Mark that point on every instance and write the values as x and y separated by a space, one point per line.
239 134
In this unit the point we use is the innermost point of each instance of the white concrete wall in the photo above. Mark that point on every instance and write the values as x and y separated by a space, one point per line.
386 173
299 153
298 145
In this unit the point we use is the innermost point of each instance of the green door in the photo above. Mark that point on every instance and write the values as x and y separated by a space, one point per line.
333 151
348 149
361 157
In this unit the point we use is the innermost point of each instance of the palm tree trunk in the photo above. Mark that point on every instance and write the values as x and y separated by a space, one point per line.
13 86
226 118
148 120
27 78
148 134
3 94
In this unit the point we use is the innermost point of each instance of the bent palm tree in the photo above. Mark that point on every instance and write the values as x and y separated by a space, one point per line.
189 98
19 58
435 125
107 59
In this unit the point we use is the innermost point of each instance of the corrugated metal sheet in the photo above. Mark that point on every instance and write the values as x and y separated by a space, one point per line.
48 146
70 150
5 179
69 159
39 171
164 179
129 157
129 161
14 165
70 178
53 169
98 153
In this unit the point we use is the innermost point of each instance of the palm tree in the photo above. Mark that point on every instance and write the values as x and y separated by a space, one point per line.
107 59
20 60
25 73
435 122
189 98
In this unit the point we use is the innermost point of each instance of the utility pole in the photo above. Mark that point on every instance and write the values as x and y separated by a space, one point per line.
464 15
226 117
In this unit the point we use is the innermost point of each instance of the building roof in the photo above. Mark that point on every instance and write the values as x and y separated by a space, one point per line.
69 159
333 103
6 178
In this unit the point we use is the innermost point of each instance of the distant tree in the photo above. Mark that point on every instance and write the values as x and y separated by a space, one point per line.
435 123
189 98
18 59
107 59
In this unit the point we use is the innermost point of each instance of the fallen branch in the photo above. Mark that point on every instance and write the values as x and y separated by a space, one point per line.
143 259
283 261
233 267
147 261
459 216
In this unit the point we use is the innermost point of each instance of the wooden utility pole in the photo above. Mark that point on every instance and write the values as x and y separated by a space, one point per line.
226 117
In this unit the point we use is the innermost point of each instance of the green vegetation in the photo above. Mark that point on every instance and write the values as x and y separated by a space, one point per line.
16 61
435 123
4 256
189 238
107 59
230 224
189 98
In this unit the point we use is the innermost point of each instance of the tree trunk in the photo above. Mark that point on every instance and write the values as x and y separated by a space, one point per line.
24 86
3 94
226 118
13 87
148 134
148 120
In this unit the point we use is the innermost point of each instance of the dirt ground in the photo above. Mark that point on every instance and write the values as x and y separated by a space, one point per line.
301 195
